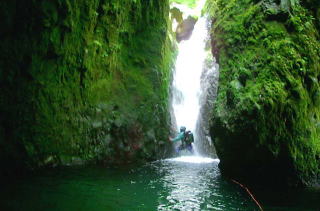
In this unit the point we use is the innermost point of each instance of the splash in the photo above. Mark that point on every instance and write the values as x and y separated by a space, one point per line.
194 159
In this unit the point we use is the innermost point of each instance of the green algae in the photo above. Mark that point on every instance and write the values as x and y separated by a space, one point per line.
84 80
267 112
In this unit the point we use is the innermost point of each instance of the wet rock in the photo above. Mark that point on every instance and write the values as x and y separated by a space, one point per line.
185 28
209 86
265 118
86 78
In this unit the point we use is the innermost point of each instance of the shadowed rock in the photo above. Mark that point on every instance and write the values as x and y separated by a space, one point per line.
184 29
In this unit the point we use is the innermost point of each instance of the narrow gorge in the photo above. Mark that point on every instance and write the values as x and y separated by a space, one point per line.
92 92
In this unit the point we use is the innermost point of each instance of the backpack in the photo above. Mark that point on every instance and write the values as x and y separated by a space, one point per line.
188 137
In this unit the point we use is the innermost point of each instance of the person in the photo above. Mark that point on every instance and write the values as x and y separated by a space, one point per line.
186 138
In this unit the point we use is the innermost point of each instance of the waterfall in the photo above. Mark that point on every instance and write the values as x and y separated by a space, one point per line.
195 85
186 80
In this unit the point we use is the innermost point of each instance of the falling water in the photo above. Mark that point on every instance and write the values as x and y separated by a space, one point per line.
186 80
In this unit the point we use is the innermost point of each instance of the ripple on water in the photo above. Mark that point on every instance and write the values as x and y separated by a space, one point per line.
194 183
162 185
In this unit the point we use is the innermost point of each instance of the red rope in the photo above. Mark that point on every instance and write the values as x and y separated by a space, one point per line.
244 187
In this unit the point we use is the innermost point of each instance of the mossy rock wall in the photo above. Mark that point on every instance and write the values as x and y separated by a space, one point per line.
266 121
83 80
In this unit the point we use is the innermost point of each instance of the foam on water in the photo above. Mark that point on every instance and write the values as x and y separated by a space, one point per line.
194 159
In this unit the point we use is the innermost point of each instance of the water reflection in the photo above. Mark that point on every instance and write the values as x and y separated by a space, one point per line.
193 183
172 184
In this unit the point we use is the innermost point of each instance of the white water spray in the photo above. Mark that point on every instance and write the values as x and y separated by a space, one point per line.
193 159
186 80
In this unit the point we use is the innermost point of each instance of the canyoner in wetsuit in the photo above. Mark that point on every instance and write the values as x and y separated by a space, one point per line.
186 138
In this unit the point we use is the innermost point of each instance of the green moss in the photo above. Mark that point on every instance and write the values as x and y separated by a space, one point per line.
266 107
84 79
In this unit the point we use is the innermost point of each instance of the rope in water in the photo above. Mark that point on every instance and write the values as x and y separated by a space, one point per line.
244 187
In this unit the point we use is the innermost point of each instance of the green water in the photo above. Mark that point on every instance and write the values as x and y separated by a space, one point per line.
160 185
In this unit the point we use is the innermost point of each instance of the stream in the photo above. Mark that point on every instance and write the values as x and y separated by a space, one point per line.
183 183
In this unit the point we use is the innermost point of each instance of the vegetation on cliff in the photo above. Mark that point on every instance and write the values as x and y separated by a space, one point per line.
266 122
83 80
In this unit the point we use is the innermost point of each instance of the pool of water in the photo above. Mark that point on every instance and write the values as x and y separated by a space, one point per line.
174 184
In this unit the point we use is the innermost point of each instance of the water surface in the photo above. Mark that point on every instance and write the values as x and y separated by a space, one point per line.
173 184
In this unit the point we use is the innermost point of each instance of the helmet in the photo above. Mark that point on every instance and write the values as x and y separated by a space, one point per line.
182 129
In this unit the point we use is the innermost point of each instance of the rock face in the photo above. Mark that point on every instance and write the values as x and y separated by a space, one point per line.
208 94
85 79
265 124
185 28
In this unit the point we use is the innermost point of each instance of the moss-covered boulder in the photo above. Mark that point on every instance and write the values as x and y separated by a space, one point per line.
266 122
83 80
